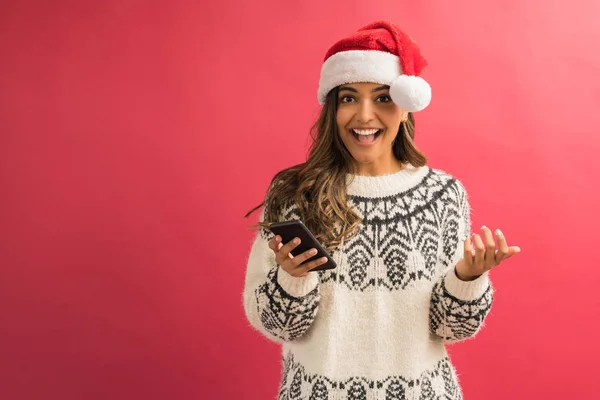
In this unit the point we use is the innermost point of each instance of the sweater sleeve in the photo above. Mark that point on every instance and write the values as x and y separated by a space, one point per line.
458 308
280 306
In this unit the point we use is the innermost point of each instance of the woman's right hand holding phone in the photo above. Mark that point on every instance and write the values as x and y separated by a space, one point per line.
294 266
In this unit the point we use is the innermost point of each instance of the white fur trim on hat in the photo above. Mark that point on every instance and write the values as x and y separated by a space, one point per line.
411 93
355 66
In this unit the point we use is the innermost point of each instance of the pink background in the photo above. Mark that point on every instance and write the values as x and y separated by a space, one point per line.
135 135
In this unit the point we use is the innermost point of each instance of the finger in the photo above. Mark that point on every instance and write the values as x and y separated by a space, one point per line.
285 251
468 255
490 248
512 250
313 264
300 258
305 268
479 251
274 243
502 252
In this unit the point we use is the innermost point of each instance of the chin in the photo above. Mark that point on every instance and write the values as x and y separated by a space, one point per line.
362 159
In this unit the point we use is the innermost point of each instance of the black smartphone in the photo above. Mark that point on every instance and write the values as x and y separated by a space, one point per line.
288 230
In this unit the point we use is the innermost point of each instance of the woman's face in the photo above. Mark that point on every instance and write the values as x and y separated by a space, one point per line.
368 122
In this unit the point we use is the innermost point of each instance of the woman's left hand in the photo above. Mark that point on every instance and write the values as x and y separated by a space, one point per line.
484 256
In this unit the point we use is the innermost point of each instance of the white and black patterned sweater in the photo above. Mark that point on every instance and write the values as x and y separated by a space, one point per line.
375 327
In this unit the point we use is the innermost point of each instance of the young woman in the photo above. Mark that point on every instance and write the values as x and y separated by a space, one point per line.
410 277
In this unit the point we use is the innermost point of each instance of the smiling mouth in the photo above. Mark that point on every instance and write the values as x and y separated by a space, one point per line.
366 135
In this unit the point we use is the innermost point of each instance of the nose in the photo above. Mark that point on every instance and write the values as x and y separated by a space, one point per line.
365 112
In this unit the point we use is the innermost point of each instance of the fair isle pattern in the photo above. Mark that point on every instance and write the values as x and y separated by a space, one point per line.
418 227
454 319
435 384
284 316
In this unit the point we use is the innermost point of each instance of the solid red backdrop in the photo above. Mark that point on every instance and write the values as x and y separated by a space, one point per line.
135 135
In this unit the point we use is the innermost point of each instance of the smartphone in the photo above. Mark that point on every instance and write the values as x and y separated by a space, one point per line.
288 230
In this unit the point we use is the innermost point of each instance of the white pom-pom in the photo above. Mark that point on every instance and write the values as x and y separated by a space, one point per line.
410 93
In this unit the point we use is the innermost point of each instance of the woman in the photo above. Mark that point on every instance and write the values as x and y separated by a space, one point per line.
410 277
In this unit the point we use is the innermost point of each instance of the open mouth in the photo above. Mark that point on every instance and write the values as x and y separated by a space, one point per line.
366 136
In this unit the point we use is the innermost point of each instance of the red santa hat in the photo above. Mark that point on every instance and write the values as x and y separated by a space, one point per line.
378 53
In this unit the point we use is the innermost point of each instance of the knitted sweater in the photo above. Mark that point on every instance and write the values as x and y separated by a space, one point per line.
376 326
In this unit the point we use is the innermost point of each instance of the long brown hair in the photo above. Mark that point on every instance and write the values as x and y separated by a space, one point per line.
318 186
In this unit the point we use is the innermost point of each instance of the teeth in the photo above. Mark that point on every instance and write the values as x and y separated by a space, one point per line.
365 131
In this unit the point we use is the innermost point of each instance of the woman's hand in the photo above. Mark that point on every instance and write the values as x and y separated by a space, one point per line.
290 264
484 255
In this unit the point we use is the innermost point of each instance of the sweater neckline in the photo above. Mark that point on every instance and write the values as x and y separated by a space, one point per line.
386 185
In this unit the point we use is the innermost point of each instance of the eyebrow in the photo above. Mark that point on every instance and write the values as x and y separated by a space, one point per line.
377 89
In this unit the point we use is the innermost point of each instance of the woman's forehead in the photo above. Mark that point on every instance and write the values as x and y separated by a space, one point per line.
363 87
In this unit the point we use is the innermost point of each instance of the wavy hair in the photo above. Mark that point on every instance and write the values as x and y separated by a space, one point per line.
317 187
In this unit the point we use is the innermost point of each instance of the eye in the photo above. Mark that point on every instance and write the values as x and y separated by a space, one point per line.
384 99
346 99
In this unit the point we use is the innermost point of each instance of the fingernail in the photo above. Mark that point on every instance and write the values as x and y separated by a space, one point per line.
483 227
324 259
498 232
313 251
278 238
296 241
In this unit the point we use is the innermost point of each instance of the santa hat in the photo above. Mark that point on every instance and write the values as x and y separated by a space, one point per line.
378 53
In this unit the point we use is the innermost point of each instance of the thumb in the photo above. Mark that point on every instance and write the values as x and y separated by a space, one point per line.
512 250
